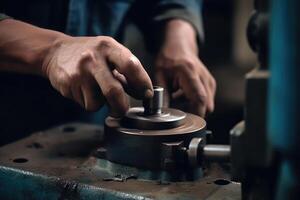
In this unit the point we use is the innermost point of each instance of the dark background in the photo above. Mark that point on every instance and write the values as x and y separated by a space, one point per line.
25 106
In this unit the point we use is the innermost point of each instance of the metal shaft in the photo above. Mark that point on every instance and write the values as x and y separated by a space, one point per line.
198 152
216 152
153 106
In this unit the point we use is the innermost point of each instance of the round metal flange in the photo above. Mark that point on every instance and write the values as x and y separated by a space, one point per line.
143 147
193 151
168 118
191 123
152 137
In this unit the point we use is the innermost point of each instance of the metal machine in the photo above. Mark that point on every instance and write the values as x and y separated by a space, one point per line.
164 141
162 153
151 153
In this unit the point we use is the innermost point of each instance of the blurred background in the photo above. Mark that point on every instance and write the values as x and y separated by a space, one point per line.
226 53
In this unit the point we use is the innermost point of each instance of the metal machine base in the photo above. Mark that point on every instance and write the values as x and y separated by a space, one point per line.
60 163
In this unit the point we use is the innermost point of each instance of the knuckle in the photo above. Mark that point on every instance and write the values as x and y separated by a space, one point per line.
113 92
132 64
105 42
87 60
187 67
65 89
66 81
200 97
193 77
190 64
88 55
213 83
74 78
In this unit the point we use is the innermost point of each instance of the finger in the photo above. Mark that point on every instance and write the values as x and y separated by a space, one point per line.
199 103
160 80
112 91
211 81
61 82
75 88
86 88
65 90
120 77
77 95
139 83
177 94
210 99
194 91
207 79
93 97
197 109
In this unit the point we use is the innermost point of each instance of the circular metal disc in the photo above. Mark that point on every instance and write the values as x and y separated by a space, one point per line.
168 118
190 124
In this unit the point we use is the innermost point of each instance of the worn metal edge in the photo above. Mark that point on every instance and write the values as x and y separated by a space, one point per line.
20 184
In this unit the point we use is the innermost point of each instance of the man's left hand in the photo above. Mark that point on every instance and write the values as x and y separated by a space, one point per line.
180 71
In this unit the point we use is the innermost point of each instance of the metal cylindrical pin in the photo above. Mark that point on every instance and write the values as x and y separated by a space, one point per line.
153 106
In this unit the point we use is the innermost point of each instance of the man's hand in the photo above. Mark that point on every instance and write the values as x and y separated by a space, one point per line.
180 71
87 69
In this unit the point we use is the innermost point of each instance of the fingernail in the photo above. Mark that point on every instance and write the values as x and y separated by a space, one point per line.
149 93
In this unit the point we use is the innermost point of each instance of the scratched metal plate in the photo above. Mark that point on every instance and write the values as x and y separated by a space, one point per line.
59 164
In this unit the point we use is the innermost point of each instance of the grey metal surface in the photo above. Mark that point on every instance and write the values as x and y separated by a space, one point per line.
195 146
152 116
59 164
216 152
199 152
168 118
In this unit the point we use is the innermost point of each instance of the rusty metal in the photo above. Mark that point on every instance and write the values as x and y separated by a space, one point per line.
60 164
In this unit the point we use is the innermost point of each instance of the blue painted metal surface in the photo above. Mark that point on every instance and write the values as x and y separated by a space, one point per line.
284 96
20 184
284 106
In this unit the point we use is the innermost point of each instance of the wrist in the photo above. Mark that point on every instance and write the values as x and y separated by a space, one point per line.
180 34
57 40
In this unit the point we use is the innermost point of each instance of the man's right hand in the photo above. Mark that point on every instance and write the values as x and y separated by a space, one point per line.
91 70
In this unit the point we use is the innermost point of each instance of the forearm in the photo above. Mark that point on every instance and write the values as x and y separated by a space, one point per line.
23 47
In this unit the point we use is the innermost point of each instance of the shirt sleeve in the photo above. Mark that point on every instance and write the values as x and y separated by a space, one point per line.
3 16
150 17
188 10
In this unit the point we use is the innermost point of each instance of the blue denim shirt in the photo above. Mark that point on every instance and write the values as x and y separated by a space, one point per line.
42 105
102 17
